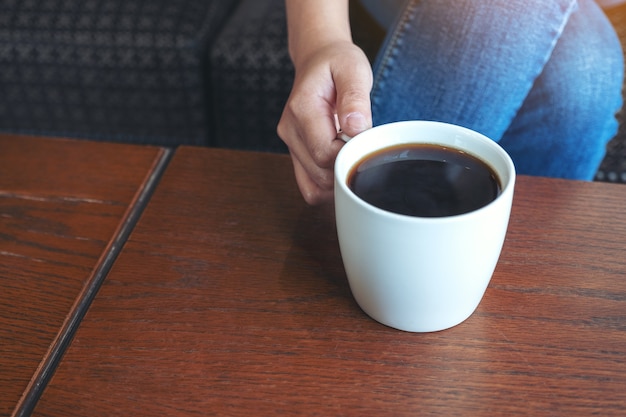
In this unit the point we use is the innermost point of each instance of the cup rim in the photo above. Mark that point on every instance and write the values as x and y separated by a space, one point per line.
507 178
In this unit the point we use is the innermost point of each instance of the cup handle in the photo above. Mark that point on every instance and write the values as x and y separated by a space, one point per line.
343 136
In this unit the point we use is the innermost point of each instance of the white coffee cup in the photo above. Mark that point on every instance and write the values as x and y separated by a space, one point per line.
420 274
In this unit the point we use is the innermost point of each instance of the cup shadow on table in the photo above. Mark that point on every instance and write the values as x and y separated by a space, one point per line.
313 269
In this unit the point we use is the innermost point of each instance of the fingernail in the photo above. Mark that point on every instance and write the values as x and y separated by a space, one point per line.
355 123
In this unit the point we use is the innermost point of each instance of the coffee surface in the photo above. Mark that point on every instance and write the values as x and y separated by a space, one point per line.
424 180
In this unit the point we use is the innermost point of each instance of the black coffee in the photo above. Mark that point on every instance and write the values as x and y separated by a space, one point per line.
424 180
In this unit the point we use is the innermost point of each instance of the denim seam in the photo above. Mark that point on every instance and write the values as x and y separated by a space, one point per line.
390 49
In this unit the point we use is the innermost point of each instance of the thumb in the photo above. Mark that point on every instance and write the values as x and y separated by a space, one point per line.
354 111
354 123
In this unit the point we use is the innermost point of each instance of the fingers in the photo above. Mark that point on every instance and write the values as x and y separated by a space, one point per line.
338 81
311 191
313 150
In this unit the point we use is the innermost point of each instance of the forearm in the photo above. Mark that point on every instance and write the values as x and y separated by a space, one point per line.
312 24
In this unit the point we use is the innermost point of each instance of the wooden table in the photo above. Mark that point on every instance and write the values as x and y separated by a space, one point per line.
63 206
230 299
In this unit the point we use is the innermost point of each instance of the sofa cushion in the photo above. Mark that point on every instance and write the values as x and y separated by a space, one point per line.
251 75
613 167
124 70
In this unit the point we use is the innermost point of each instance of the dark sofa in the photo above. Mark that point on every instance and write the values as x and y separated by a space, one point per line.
195 72
120 70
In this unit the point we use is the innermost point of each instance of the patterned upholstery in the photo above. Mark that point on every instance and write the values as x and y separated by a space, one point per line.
613 167
251 76
122 70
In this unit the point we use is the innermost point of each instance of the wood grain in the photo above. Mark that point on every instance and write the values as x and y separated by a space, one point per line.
230 299
61 202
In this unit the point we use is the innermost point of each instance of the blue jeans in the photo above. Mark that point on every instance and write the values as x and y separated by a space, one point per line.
541 77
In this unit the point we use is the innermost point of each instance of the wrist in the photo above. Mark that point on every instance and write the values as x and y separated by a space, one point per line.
315 24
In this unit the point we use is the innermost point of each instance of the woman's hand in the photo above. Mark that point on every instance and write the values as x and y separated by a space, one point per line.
332 85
